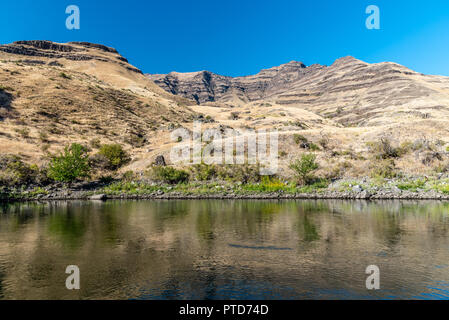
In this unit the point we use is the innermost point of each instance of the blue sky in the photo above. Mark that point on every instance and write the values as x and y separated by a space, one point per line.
238 37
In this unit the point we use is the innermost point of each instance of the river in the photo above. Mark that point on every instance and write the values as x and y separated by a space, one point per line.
225 249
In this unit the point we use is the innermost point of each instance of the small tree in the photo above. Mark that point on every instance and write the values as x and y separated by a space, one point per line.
70 165
304 167
115 155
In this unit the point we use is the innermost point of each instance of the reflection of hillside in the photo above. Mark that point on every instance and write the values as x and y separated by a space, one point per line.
170 249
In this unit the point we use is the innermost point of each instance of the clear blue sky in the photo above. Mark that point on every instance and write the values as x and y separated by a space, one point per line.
238 37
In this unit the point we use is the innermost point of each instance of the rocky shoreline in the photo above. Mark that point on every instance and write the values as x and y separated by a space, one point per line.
99 195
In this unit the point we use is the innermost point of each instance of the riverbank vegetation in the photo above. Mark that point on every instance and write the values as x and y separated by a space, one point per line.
103 163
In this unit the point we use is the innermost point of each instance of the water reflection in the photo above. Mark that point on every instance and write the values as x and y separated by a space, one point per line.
224 249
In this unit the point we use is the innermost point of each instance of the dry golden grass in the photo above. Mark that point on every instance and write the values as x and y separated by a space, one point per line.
44 107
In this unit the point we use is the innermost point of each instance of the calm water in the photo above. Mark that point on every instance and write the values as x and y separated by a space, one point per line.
225 249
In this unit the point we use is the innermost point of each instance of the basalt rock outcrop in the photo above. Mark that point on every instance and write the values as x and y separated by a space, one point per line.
74 51
205 86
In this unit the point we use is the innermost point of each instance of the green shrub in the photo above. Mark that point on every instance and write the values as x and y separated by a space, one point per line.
406 147
15 172
129 176
38 191
115 156
64 76
304 167
412 186
269 184
203 171
244 173
316 185
70 165
443 188
384 150
169 175
299 138
385 169
339 170
3 88
43 136
442 167
24 133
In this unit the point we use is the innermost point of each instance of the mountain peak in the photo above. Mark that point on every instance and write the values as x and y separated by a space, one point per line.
347 60
295 63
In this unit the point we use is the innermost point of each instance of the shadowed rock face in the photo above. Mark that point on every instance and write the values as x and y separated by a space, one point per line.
205 86
5 104
350 91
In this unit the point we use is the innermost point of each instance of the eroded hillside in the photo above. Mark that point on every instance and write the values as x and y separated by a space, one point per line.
349 114
55 94
344 109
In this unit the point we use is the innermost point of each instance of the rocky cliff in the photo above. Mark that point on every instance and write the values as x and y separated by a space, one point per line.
76 51
205 86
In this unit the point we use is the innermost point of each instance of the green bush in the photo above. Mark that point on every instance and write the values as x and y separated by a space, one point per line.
70 165
384 150
269 184
244 173
169 175
15 172
65 76
203 172
24 133
304 167
299 138
129 176
385 169
43 136
314 147
314 186
114 155
412 185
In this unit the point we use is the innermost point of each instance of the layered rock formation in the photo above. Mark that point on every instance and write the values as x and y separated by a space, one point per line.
349 91
205 86
75 51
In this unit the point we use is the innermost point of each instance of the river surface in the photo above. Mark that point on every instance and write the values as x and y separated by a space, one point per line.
225 249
